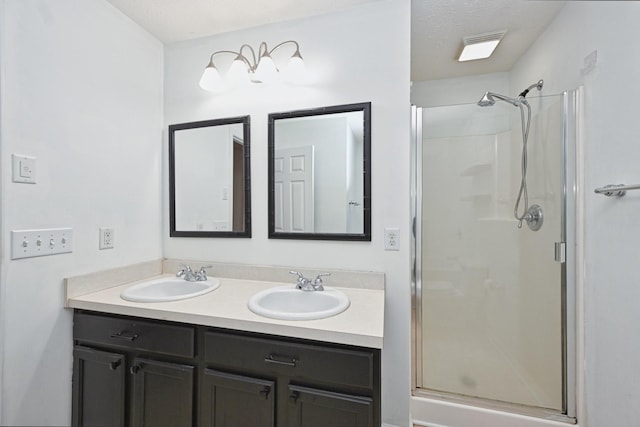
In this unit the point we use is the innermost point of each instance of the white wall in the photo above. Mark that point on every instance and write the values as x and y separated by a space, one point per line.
611 291
82 92
459 90
341 52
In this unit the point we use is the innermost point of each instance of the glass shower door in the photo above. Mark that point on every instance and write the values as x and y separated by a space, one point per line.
490 303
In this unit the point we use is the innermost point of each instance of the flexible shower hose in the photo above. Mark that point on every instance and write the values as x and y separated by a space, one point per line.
523 182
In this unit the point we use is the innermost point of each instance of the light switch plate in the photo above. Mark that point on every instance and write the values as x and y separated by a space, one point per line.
34 243
24 169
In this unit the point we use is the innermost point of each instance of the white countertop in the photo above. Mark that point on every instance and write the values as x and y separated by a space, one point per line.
362 324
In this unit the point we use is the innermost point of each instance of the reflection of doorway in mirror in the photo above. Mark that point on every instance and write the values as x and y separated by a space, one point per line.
238 184
293 189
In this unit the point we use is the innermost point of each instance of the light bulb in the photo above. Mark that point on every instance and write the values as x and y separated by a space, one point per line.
295 71
238 73
266 71
211 80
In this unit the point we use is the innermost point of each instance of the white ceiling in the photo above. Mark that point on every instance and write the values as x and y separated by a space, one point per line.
175 20
438 26
436 37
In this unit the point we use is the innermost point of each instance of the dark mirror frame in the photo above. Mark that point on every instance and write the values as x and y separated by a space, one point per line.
246 129
366 234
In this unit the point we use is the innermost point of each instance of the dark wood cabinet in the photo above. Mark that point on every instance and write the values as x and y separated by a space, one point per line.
309 407
315 384
132 372
229 400
149 373
162 394
98 388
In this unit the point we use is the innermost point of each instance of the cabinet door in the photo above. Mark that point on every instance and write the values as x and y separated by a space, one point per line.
98 388
309 407
162 394
234 401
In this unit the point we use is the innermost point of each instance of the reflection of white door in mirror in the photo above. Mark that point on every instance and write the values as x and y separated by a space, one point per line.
341 204
293 189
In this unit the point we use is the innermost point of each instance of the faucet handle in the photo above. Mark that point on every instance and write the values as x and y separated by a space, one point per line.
303 283
317 283
201 275
319 276
300 275
185 269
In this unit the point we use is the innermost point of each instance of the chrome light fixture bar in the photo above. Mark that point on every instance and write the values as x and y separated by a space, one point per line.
480 46
247 67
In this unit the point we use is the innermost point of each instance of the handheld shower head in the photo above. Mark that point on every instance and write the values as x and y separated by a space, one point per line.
538 85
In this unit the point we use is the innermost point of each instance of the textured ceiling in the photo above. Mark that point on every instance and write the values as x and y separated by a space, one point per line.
176 20
438 26
436 35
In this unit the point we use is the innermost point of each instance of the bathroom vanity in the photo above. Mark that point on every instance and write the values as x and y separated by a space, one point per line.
209 361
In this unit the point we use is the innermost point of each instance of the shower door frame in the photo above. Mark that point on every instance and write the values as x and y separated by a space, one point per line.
571 121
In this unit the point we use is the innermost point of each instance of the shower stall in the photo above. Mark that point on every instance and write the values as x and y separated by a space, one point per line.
494 300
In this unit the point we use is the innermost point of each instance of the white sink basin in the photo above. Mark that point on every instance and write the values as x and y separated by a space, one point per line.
289 303
168 289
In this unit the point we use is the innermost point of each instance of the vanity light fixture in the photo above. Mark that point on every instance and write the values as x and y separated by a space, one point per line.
251 68
480 46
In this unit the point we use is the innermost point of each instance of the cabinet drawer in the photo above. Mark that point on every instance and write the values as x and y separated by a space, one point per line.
339 366
134 334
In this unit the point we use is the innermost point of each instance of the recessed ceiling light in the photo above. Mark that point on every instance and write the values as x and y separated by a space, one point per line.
480 46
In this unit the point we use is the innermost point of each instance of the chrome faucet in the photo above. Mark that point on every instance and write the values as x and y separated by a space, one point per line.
305 284
190 276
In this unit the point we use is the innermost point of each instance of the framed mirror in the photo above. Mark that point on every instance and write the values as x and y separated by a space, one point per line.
320 173
209 178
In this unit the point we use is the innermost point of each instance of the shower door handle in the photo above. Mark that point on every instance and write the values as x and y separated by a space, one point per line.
413 227
560 252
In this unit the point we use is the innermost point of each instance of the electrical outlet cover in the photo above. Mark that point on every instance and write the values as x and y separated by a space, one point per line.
391 239
107 238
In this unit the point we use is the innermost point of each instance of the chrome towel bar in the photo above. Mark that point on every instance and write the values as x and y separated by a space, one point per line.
618 190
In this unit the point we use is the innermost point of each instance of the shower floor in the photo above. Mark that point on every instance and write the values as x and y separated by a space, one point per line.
476 366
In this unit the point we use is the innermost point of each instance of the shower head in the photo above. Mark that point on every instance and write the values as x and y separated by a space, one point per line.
489 99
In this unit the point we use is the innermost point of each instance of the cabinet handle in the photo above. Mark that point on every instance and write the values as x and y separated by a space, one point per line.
281 360
264 393
122 336
134 369
114 365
